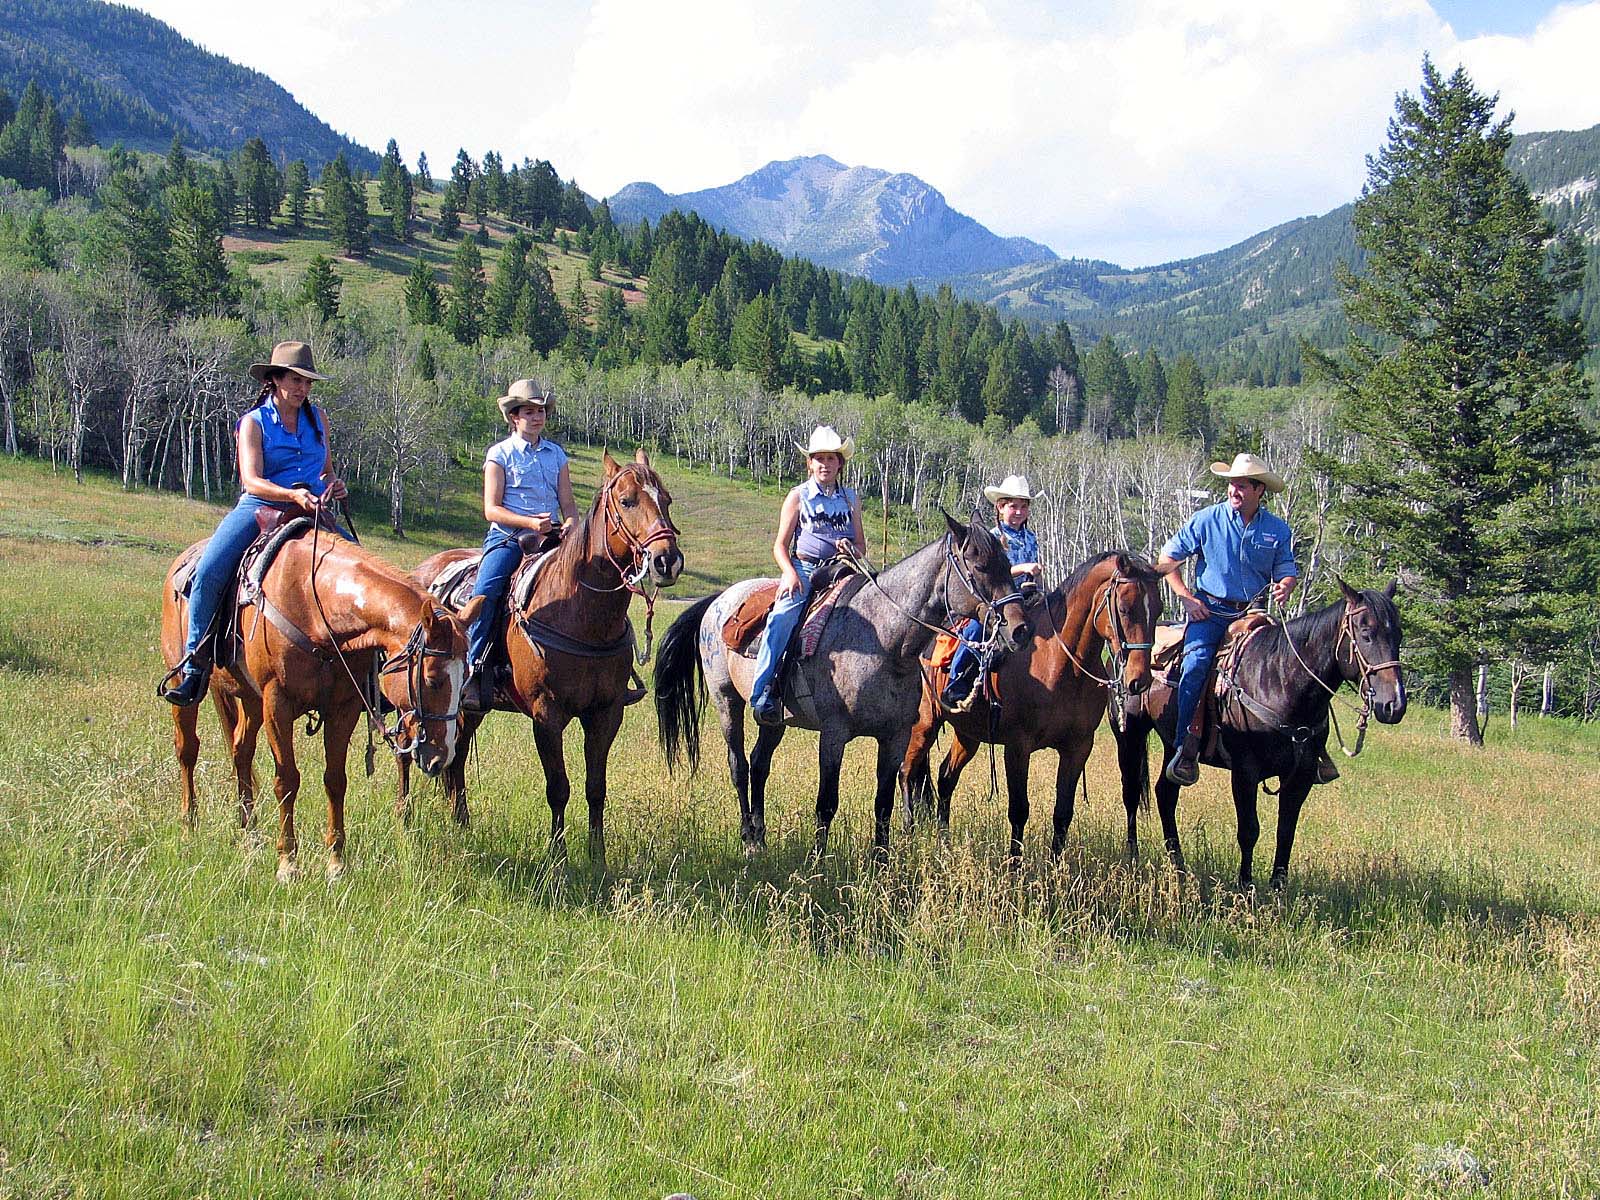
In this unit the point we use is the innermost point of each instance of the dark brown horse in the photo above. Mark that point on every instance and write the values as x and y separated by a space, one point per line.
1051 693
571 647
344 604
1274 717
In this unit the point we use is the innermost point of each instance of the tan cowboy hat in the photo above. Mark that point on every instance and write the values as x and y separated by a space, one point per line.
287 356
1012 487
521 394
1248 466
825 440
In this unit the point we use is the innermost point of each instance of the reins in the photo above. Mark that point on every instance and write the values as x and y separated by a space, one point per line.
1363 688
990 608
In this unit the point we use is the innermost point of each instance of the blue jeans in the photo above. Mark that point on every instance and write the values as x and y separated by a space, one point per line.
780 625
970 632
219 564
1200 641
502 554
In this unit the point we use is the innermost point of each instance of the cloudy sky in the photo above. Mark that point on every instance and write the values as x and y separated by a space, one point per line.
1137 130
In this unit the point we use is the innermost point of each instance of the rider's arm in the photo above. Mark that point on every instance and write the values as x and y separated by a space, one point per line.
252 462
857 534
1285 572
335 490
1192 605
788 519
494 509
565 500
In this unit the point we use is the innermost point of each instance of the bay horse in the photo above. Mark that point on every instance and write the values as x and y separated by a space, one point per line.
571 646
1051 696
863 679
329 606
1274 719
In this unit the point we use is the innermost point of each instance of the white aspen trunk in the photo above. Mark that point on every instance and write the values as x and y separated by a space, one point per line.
1548 695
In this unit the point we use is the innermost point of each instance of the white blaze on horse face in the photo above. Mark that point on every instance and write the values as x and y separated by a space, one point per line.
654 493
349 587
458 677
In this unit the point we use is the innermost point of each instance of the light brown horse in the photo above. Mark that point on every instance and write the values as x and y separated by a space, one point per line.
571 647
346 605
1051 693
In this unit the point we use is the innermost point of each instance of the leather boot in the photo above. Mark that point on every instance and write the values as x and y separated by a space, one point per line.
1184 769
190 688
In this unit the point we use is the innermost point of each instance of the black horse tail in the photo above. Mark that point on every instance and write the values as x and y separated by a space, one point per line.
681 687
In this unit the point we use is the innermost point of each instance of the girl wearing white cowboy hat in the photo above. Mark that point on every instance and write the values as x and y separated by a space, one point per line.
526 487
285 462
819 519
1013 501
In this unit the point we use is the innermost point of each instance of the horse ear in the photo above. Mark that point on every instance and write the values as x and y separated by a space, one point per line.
469 611
609 463
430 615
957 529
1394 586
640 457
1350 594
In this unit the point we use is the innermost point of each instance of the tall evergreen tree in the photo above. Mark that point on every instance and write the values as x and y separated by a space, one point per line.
511 273
449 212
1110 386
1461 383
197 271
464 311
260 187
296 191
319 287
422 295
1187 414
344 205
394 192
711 330
539 313
1150 387
176 170
761 344
424 180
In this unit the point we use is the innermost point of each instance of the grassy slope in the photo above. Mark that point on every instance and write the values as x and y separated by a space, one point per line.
457 1020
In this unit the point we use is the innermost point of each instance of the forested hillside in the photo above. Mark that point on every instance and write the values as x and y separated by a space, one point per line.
137 80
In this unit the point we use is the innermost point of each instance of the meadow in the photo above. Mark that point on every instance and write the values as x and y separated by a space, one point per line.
1417 1015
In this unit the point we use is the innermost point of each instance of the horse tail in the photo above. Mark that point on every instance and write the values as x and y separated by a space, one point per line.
681 687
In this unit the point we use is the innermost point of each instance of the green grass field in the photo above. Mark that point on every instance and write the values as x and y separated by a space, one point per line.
1418 1016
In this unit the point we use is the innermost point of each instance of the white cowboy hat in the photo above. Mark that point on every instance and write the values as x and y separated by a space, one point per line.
523 394
825 440
1012 487
1248 466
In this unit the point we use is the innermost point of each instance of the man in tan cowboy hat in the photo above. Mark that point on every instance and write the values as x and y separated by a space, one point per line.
1242 551
1013 501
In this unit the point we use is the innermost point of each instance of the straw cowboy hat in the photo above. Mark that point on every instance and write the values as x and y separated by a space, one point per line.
825 440
1012 487
287 356
1248 466
521 394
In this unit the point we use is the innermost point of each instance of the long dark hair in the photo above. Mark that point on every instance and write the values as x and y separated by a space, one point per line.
268 386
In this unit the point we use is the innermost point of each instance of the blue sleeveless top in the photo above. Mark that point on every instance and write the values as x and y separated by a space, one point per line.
288 459
824 519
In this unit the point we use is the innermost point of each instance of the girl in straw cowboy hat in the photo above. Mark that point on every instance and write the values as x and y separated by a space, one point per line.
526 488
286 463
1242 551
819 519
1013 502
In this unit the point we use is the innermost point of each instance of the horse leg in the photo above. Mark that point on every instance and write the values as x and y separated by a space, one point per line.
241 718
767 739
1069 771
955 761
402 794
916 781
186 743
285 780
557 787
1132 765
1244 807
1167 807
1017 809
739 768
891 754
336 731
599 732
455 772
830 757
1292 795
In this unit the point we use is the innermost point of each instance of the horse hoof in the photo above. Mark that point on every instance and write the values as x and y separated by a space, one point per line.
335 870
287 872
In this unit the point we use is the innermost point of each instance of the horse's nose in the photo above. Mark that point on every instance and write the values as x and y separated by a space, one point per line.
430 759
667 565
1019 635
1140 683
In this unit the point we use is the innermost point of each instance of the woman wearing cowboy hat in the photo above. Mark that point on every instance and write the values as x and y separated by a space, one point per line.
1243 551
820 519
1013 501
285 462
526 488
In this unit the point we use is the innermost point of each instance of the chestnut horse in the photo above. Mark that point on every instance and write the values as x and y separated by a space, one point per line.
1051 696
344 604
1274 720
571 646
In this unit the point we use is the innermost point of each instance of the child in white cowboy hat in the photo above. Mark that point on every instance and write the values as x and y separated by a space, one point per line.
1242 551
820 519
526 486
1013 501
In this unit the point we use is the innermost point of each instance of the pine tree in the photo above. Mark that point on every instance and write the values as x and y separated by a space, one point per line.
260 187
1187 414
225 194
423 179
761 344
37 246
1462 386
196 275
464 311
344 205
319 287
449 213
1110 383
296 190
78 131
395 192
710 331
1005 385
500 305
426 369
422 295
176 170
539 313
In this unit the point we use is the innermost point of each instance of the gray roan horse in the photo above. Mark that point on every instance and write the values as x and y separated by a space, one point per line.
865 679
1275 717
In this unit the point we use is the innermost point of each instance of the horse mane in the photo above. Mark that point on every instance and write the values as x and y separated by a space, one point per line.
1138 568
576 544
1311 628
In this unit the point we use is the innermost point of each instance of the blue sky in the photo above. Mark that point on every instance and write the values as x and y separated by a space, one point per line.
1137 131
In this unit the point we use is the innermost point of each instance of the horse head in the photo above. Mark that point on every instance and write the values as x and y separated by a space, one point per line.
636 508
981 564
1126 619
424 683
1369 650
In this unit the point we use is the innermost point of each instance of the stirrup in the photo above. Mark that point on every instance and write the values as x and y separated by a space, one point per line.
179 687
1184 769
1327 770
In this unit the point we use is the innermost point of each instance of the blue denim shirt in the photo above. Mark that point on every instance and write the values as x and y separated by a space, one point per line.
1020 545
1237 561
532 472
288 458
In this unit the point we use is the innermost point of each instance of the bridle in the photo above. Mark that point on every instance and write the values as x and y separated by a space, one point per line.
1109 602
989 610
410 660
631 578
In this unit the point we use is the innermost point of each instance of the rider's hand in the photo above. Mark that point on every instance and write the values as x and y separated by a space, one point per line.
846 547
305 498
1284 588
1195 608
789 584
542 523
335 489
